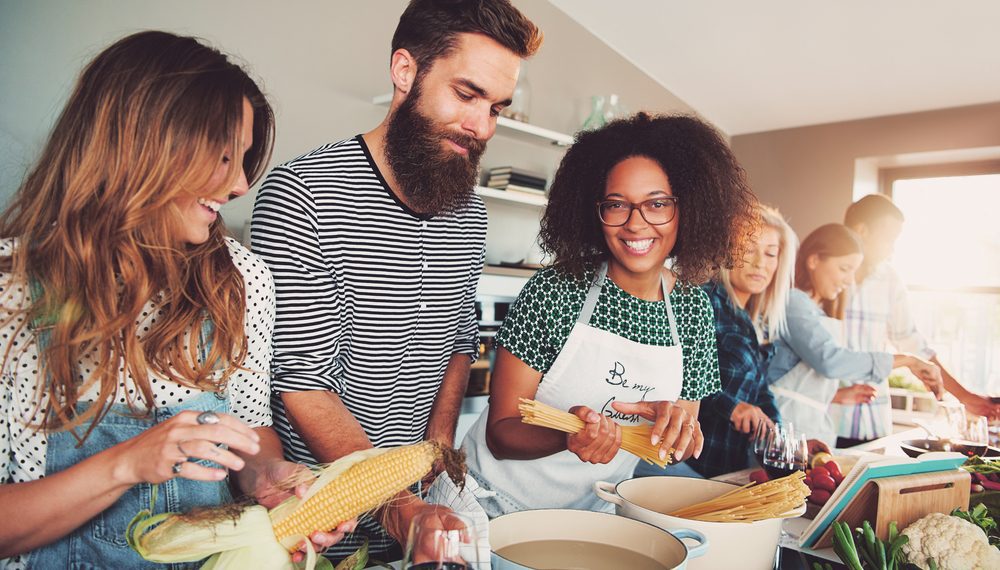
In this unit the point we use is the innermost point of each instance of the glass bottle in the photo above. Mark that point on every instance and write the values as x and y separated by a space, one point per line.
520 104
614 110
596 118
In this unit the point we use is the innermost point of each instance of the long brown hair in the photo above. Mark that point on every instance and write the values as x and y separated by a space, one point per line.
148 121
831 240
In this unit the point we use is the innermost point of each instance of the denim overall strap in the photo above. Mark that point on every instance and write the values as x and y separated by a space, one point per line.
100 542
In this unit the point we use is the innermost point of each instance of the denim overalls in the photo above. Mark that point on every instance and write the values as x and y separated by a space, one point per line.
100 542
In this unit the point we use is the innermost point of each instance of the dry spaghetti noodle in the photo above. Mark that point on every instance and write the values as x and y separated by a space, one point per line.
751 503
635 439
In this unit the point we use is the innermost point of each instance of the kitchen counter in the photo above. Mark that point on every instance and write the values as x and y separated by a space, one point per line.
788 559
889 445
790 555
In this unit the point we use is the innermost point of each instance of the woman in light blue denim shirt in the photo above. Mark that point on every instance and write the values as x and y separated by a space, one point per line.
811 368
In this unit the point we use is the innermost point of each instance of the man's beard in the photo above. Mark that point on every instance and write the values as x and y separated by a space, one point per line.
433 179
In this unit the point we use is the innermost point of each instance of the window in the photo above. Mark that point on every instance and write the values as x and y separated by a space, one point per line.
951 238
949 255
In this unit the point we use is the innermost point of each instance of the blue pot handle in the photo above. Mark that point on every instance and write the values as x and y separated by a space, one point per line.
693 552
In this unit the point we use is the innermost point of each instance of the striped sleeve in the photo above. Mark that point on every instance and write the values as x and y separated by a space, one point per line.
285 235
467 339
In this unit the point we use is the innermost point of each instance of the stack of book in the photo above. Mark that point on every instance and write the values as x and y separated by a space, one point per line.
514 179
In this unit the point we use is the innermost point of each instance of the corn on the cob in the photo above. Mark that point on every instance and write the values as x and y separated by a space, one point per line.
351 486
363 487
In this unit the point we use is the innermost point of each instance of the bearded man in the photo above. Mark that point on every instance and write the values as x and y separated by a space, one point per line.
376 245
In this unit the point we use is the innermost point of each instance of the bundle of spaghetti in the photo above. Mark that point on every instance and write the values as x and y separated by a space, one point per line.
635 439
751 503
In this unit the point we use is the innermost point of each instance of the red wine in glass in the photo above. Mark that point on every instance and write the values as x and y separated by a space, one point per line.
969 448
777 469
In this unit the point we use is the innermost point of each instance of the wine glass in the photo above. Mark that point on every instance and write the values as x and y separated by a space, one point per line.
975 435
950 420
760 437
442 540
786 453
800 451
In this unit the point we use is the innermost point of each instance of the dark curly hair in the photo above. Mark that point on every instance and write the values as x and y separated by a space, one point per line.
717 209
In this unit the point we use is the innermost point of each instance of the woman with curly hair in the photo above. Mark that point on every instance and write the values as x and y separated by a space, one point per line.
607 331
136 335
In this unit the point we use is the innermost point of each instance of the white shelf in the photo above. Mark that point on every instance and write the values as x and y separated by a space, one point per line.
510 127
514 197
554 138
508 271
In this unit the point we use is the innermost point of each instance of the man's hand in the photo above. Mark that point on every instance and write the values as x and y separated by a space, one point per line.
269 487
746 417
323 540
399 513
928 373
268 482
435 539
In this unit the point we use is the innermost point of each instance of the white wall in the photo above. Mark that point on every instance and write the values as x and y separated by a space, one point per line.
320 61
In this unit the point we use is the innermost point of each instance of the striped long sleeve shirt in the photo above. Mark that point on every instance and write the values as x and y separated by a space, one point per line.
372 298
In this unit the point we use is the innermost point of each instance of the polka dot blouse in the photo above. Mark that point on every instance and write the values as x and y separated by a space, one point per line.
22 449
540 320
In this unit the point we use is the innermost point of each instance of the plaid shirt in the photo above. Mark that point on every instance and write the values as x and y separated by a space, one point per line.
743 369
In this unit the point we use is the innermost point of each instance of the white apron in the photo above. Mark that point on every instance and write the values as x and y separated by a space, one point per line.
803 396
594 368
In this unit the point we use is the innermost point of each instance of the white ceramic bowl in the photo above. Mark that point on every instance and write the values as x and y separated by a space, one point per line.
750 546
587 526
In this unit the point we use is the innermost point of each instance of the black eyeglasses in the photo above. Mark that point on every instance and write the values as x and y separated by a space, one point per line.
656 212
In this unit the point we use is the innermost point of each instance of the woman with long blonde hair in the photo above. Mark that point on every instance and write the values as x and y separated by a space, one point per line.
135 334
764 299
749 306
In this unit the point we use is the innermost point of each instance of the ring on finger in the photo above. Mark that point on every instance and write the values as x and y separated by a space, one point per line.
177 467
208 418
180 447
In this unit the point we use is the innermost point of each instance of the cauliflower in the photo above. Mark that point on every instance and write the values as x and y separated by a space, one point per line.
953 543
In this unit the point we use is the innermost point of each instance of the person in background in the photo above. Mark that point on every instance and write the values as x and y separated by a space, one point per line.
376 245
810 361
749 304
606 331
136 335
878 318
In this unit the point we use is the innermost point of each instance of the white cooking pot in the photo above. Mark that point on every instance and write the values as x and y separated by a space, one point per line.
750 546
666 549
